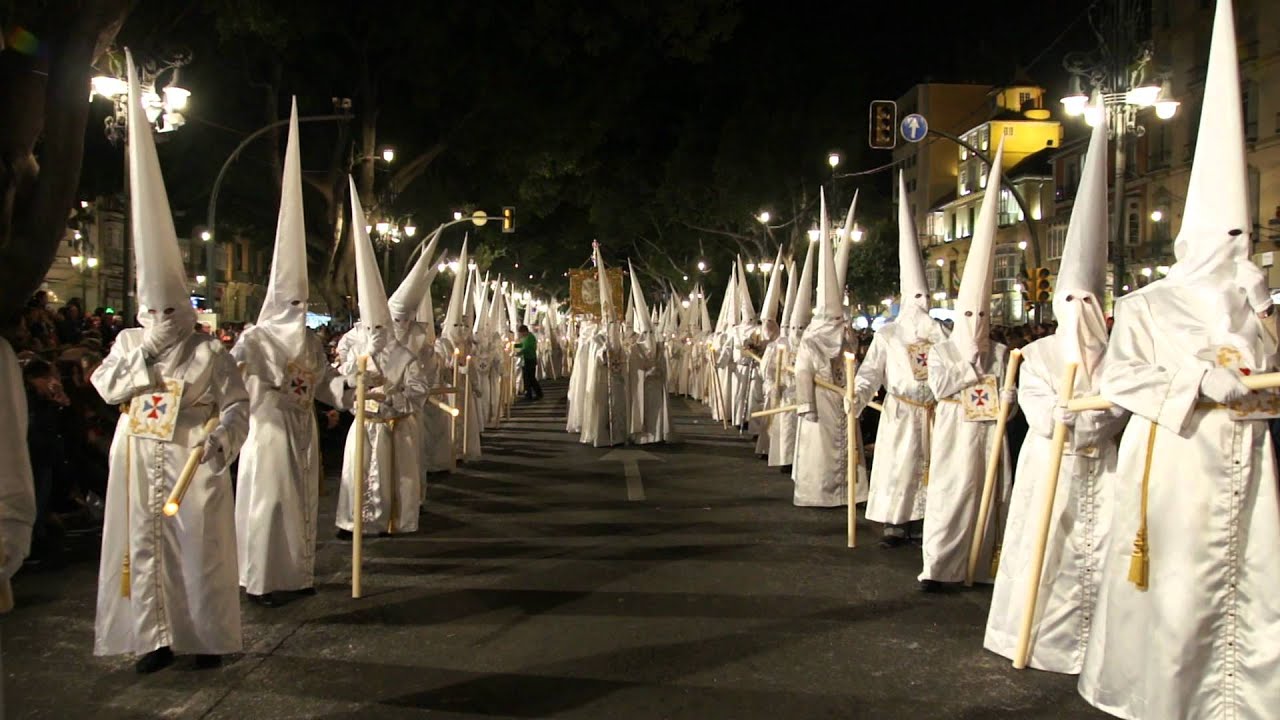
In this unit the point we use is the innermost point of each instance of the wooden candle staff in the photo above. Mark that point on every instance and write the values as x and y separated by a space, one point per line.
357 485
466 407
993 468
194 458
851 448
1023 652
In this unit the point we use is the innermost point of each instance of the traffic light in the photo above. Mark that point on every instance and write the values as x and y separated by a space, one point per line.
1042 283
884 124
508 219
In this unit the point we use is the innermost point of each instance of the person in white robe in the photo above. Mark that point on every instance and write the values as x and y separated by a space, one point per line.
898 362
167 584
17 488
965 372
578 377
1196 636
286 370
782 445
650 420
396 390
821 459
1068 580
769 332
605 418
454 346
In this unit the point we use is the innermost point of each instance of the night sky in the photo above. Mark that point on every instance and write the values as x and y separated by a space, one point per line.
595 120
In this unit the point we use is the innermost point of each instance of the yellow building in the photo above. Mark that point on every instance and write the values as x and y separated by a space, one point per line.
1017 114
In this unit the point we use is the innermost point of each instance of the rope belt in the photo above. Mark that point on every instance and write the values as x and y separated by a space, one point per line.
915 403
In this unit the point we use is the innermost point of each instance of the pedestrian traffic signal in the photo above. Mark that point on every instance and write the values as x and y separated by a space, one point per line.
1042 282
884 124
508 219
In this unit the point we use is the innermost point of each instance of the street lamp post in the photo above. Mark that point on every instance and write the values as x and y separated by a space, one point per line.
1123 80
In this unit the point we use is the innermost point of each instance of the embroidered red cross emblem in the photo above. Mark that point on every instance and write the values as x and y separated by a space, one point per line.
979 397
922 358
156 407
299 386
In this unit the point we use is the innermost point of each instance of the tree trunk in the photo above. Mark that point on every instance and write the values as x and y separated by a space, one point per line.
36 196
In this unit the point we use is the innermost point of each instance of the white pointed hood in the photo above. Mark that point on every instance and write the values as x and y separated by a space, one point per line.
164 303
802 313
284 310
746 309
773 293
642 323
407 298
1077 299
973 304
788 306
704 313
1217 193
426 311
455 315
845 246
829 295
608 313
371 296
913 299
826 329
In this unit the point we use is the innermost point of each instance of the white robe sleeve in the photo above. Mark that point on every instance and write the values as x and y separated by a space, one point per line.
123 374
1131 379
871 373
805 387
17 489
948 374
232 399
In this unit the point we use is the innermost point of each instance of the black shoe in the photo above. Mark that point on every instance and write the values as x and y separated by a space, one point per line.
265 599
158 659
344 535
930 586
305 592
208 662
889 542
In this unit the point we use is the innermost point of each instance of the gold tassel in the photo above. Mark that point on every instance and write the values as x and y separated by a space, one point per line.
1140 562
1139 566
995 561
125 578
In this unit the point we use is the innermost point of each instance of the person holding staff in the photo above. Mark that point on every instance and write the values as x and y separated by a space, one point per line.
167 585
1068 581
1189 603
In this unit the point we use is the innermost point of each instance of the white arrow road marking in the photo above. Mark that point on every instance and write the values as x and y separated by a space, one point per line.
630 460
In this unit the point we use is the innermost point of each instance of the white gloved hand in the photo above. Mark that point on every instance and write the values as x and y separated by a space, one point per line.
1062 414
848 404
811 416
1008 397
1222 385
214 451
1253 281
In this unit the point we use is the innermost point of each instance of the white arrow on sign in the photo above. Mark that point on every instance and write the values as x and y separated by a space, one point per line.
631 460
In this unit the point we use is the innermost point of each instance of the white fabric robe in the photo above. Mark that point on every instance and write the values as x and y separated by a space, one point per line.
650 416
605 410
1203 641
392 458
278 478
17 490
901 466
782 427
184 589
577 385
433 423
1078 530
819 469
468 410
958 460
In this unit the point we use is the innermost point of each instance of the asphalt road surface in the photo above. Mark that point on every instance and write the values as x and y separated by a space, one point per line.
536 588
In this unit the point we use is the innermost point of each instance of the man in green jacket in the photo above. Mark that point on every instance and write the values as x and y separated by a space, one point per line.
527 350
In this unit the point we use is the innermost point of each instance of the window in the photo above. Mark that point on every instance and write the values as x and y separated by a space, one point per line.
1024 99
964 180
1249 96
1008 131
933 275
1131 234
1006 268
1010 213
1057 240
972 212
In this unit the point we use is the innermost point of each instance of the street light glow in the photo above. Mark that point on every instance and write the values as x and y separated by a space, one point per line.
814 235
833 159
410 230
1156 216
764 216
751 267
206 236
92 262
941 262
1022 244
702 266
457 215
383 226
175 97
200 279
1143 96
388 154
1146 272
109 87
1166 109
857 235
